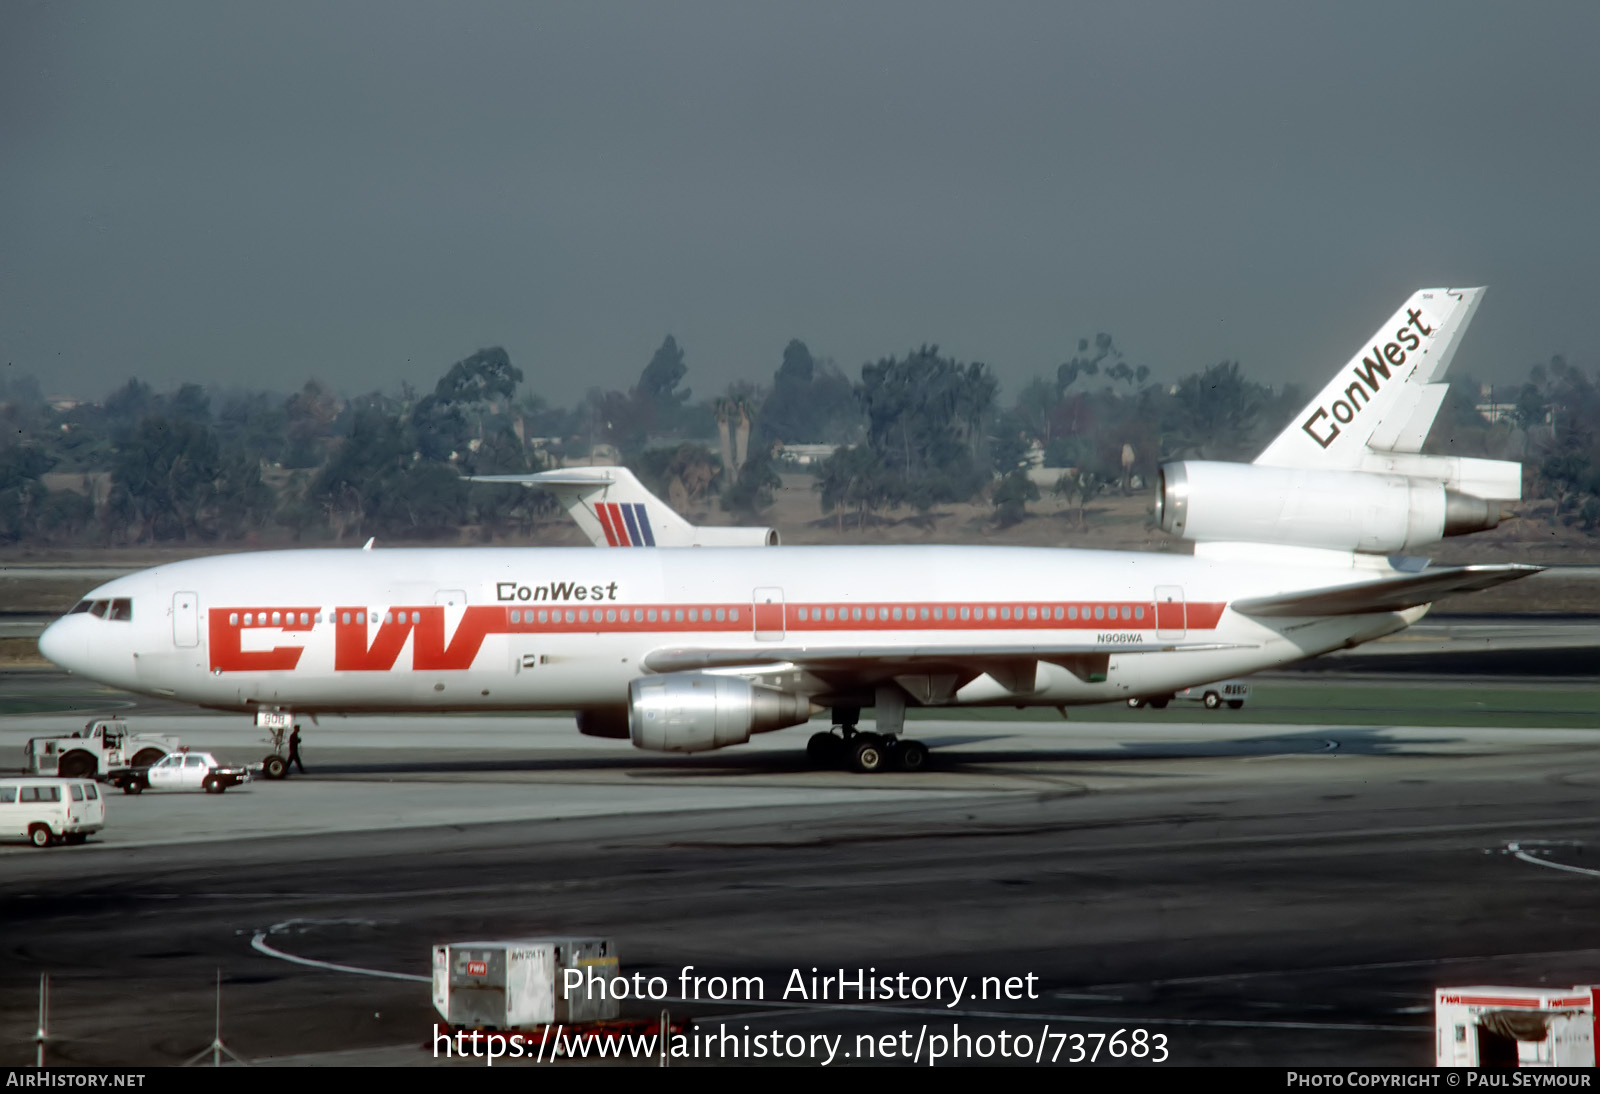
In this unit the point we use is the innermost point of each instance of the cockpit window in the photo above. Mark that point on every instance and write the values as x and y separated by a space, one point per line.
99 608
80 606
121 609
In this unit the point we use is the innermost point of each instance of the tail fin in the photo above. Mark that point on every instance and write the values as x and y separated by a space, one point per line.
612 507
1387 395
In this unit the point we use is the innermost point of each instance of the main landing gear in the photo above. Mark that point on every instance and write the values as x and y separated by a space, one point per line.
864 753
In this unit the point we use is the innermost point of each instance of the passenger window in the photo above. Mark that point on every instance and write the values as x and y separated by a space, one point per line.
90 790
650 616
694 615
1138 613
720 615
733 614
193 761
1005 613
677 615
991 613
77 792
872 613
1127 612
1100 612
8 794
233 619
827 614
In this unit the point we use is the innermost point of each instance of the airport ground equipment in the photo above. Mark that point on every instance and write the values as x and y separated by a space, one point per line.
1234 693
99 750
1515 1027
520 984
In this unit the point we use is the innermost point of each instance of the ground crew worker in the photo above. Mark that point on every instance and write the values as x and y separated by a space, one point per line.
294 751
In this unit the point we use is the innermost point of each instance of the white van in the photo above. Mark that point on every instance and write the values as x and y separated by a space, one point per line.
46 810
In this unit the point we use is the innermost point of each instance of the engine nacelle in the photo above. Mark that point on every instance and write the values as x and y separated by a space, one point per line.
1212 502
696 712
713 536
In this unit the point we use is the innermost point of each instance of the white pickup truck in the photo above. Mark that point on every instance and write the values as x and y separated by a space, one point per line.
183 770
1232 692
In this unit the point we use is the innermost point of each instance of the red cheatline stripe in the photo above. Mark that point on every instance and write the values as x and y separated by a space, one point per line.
605 524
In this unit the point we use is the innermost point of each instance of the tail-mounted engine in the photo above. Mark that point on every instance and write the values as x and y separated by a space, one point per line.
1343 510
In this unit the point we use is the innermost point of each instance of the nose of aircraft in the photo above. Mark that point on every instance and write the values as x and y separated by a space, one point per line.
64 643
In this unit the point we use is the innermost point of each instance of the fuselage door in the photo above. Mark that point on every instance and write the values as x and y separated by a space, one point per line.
1171 616
766 609
185 620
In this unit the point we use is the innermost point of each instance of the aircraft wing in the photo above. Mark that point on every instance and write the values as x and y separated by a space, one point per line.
1388 595
922 670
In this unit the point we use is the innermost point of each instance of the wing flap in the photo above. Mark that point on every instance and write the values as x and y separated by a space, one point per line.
1386 595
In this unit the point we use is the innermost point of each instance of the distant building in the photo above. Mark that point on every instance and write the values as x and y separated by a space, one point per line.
806 455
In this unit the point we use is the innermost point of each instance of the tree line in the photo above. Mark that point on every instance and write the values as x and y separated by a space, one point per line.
912 433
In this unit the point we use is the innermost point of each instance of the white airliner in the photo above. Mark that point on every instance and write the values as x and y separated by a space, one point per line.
612 507
684 650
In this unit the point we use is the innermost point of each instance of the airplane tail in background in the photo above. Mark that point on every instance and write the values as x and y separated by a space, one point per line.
612 507
1386 396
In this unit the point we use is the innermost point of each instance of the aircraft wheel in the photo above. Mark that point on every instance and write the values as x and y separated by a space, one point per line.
1213 700
823 749
1159 704
912 755
273 767
1235 704
867 755
1136 704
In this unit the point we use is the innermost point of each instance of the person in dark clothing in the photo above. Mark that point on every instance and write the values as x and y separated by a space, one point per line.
294 751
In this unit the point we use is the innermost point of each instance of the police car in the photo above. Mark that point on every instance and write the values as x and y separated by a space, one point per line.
183 770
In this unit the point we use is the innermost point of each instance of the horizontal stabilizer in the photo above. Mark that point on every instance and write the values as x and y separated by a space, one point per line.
1387 595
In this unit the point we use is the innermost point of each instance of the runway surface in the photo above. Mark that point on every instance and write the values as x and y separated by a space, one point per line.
1255 894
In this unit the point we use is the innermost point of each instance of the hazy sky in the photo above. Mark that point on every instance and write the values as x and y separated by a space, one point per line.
258 193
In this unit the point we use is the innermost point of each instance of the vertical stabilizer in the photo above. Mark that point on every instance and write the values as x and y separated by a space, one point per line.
1385 397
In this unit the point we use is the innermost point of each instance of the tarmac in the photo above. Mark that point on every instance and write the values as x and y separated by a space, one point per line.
1249 894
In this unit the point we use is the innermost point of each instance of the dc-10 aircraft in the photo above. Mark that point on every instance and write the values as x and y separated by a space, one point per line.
690 649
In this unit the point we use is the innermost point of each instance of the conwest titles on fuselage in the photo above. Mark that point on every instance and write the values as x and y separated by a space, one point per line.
487 628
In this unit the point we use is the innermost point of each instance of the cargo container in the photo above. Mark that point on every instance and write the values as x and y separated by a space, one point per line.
1515 1027
519 984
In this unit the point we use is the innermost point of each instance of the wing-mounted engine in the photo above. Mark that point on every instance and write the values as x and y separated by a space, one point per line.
1211 502
696 711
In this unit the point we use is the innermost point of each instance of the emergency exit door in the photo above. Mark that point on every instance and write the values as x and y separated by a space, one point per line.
186 620
766 609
